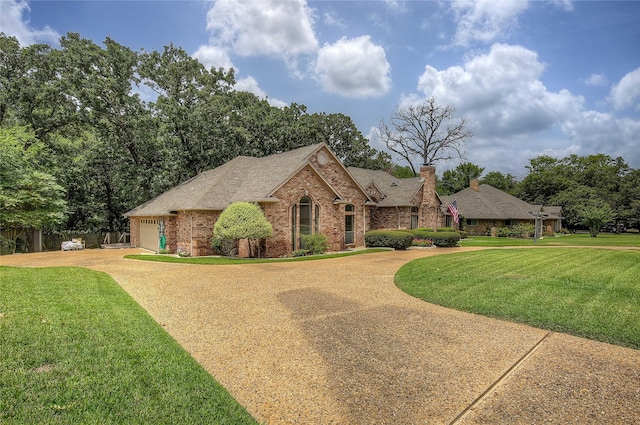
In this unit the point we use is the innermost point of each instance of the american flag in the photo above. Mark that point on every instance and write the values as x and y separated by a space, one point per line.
453 209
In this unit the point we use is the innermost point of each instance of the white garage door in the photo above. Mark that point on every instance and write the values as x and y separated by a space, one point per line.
149 236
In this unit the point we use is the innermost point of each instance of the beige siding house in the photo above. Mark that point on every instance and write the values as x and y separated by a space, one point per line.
302 192
485 208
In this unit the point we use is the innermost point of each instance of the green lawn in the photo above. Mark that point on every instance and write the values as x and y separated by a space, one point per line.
75 348
577 239
593 293
232 260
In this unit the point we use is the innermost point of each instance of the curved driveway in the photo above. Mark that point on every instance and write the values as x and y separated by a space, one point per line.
335 342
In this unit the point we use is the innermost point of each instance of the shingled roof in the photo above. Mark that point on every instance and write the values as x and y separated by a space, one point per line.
489 203
243 178
397 192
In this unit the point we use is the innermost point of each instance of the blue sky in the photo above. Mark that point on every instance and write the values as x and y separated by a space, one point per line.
533 78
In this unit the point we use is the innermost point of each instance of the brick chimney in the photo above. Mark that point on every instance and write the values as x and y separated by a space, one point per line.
428 173
475 185
429 207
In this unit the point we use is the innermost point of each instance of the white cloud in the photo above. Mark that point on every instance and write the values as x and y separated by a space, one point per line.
250 84
500 92
626 94
516 118
355 68
563 4
596 80
333 19
268 27
213 57
485 20
14 23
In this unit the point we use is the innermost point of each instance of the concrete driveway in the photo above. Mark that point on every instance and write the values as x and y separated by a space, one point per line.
335 342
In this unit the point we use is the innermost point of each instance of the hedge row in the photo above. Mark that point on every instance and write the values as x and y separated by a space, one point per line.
396 239
403 239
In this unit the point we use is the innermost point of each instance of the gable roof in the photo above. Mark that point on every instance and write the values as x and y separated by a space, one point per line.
397 192
243 178
490 203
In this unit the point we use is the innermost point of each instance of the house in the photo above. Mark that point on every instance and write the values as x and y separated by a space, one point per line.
484 208
302 192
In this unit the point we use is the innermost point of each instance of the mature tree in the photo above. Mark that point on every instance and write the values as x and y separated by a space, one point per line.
427 131
459 178
505 182
402 172
576 182
194 108
547 177
242 220
629 210
347 142
29 197
594 216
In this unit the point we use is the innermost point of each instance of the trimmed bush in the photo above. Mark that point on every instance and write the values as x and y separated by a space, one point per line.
446 239
446 229
396 239
423 229
315 244
422 233
463 234
518 231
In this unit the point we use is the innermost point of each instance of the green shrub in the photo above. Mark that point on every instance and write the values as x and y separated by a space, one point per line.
517 231
446 239
463 234
225 247
300 253
315 244
503 232
422 233
396 239
446 229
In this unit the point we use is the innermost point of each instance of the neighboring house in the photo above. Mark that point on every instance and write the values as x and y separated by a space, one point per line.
302 192
483 207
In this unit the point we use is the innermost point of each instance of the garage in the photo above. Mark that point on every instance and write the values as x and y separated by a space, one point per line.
149 236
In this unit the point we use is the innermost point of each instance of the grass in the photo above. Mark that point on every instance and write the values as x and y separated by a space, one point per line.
576 239
77 349
592 293
232 260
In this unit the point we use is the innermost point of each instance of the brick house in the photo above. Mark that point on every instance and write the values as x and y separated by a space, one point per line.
302 192
486 208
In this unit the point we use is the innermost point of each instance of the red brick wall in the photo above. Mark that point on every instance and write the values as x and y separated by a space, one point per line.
193 232
430 214
307 182
134 229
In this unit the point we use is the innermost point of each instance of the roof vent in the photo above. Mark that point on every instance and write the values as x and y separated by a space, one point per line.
394 184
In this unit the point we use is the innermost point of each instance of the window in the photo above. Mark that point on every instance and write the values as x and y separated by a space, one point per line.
305 218
349 224
472 222
294 224
414 217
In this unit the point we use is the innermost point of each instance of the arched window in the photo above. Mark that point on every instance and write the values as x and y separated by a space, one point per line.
305 217
294 225
349 224
305 220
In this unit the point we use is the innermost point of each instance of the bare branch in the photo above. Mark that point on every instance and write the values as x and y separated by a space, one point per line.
428 131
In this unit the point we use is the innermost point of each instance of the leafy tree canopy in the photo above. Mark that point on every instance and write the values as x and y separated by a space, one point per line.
29 197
